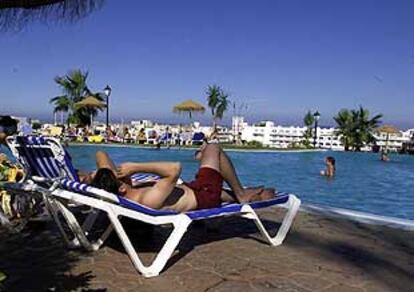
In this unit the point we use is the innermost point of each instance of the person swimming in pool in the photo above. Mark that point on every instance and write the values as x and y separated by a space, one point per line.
330 167
384 156
206 191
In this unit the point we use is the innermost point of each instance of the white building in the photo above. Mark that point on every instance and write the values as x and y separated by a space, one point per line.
393 142
328 139
268 134
283 137
142 124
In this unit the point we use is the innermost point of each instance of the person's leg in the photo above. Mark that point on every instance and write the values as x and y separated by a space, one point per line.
212 156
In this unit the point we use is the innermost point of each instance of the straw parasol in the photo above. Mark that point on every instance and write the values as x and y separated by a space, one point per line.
388 130
90 102
189 106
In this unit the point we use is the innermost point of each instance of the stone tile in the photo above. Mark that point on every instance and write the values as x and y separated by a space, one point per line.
320 254
381 287
277 284
232 286
310 282
198 280
343 288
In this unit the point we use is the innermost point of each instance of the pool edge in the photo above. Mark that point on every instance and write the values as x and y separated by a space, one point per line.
359 216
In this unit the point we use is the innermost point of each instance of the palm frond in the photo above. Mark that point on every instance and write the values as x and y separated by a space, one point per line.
17 14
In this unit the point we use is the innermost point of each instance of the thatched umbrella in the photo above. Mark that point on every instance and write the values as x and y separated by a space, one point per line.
90 102
189 106
388 130
15 14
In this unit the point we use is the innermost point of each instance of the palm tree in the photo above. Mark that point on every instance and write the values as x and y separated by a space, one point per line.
308 120
61 104
16 14
345 125
218 102
74 88
356 127
365 127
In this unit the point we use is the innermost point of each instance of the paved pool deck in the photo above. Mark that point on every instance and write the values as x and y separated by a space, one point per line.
321 253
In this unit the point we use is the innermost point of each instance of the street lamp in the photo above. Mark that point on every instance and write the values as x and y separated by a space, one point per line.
107 91
316 115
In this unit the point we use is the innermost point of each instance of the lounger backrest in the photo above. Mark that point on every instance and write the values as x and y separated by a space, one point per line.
46 157
43 156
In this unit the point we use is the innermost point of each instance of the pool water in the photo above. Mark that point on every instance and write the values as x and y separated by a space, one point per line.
362 181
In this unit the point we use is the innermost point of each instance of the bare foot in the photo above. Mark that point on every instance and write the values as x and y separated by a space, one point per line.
265 194
249 194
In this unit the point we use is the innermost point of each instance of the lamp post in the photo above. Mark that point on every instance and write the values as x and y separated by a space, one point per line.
316 115
107 91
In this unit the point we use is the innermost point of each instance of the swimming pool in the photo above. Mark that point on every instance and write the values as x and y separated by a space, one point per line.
362 181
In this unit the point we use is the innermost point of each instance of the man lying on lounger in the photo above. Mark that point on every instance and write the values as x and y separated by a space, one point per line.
206 191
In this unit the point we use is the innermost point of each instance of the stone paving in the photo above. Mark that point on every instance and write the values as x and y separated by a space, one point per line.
319 254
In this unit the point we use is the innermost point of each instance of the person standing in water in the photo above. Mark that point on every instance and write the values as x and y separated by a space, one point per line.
330 167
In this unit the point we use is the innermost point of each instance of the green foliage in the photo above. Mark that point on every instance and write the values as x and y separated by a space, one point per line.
255 144
218 102
36 126
308 120
356 127
74 89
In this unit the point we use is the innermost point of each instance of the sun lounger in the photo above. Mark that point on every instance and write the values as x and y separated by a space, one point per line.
53 176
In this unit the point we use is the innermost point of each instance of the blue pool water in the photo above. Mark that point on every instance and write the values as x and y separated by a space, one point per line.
362 182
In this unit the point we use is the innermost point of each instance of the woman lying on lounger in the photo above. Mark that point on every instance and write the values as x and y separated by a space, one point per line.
206 191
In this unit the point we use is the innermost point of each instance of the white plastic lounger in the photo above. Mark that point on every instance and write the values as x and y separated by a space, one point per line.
59 191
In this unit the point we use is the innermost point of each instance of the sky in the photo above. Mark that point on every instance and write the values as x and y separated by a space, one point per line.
276 59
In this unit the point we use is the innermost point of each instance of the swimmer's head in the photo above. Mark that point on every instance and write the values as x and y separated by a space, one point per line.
330 160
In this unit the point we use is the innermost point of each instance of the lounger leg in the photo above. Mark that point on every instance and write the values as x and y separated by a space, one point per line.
180 227
90 220
293 205
53 210
96 245
74 227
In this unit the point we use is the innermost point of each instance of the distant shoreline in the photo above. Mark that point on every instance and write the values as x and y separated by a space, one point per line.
235 149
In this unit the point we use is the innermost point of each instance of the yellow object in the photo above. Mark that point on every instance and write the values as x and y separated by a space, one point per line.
96 139
12 174
2 276
55 131
6 203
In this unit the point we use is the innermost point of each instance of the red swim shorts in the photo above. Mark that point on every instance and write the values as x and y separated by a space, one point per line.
207 188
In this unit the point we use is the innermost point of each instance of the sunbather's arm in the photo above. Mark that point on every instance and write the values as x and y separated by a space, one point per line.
155 196
164 169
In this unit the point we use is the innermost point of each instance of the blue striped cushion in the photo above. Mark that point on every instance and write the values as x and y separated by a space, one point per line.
36 152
